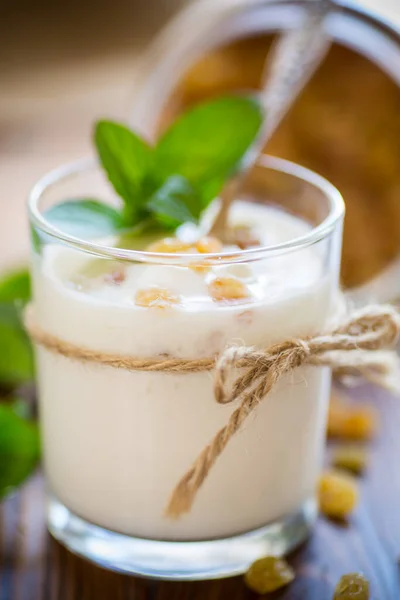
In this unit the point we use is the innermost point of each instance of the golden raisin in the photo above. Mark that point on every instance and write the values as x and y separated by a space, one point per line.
268 574
360 423
355 422
155 298
204 245
337 494
351 458
353 586
209 245
169 245
200 269
228 289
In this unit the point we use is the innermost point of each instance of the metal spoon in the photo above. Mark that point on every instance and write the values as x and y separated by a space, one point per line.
290 64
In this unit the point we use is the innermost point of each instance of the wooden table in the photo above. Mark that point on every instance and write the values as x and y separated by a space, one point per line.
35 567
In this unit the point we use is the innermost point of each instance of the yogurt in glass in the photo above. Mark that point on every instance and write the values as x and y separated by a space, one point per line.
116 442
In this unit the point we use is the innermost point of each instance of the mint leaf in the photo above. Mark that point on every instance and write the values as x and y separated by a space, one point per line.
128 161
207 143
175 181
85 218
19 449
16 360
16 287
36 240
175 202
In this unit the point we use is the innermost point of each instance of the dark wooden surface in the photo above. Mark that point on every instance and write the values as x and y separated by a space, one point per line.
35 567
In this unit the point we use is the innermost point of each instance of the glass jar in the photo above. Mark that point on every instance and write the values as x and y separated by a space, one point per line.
116 441
214 47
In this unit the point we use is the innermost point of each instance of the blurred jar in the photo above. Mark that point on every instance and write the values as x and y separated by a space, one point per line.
345 125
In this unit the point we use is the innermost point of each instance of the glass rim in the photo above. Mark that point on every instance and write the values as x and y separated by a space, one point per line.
316 234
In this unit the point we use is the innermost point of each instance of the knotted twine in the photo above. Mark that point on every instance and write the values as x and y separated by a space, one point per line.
358 347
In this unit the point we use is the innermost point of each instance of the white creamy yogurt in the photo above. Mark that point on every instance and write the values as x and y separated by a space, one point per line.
117 442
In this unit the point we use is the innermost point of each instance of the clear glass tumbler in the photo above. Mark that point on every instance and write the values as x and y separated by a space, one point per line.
117 441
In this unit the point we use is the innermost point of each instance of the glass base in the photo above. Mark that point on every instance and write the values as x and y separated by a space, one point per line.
178 560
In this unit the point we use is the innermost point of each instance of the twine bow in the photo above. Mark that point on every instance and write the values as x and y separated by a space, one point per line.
355 348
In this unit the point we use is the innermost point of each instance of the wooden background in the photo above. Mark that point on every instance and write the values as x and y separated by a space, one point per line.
34 567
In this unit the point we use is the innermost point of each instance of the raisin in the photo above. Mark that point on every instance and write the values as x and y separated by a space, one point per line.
209 245
201 269
351 458
169 245
205 245
360 423
226 289
155 298
337 494
353 586
268 574
356 422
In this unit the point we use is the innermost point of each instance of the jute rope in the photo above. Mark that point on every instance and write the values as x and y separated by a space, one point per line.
355 348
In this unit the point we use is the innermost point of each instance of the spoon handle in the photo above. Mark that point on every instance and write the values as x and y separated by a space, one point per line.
291 62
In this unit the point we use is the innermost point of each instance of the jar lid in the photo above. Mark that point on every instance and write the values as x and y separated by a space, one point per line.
345 125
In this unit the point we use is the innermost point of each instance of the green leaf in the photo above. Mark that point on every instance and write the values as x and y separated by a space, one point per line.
208 189
16 287
16 360
85 218
19 449
207 143
128 161
36 240
175 202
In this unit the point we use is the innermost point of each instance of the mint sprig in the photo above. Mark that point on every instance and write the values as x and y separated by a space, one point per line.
16 360
165 185
19 448
19 437
15 287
